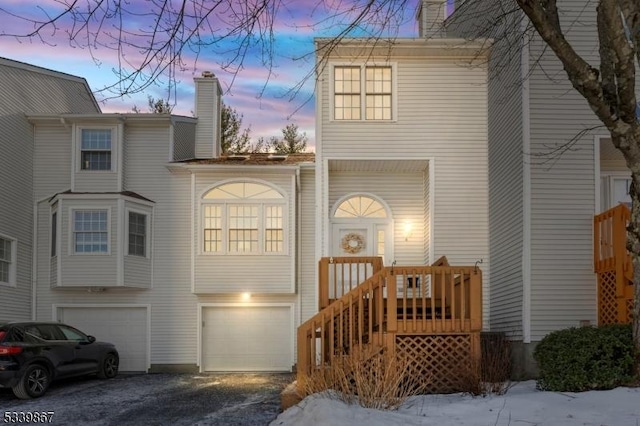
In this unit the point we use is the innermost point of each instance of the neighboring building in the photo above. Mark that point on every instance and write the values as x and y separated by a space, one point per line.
26 89
146 236
552 167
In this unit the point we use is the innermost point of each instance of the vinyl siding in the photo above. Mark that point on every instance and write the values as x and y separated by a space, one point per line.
183 141
441 115
52 160
563 286
227 273
427 220
27 89
505 155
307 282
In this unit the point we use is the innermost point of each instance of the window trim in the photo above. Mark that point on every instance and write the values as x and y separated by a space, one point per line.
78 148
363 93
72 240
147 239
260 203
12 262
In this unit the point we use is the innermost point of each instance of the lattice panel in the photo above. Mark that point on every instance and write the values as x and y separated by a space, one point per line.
607 309
438 358
630 311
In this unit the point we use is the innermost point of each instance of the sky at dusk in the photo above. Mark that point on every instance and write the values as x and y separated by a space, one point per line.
265 100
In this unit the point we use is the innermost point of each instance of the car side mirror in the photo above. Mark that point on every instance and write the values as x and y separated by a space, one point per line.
91 339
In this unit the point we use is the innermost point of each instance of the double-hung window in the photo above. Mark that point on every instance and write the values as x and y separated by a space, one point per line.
95 149
90 231
362 92
7 260
137 234
243 218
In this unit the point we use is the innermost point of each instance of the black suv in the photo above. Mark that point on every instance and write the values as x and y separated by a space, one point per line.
33 354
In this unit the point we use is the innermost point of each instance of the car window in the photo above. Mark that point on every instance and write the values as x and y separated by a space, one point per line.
49 332
18 335
72 334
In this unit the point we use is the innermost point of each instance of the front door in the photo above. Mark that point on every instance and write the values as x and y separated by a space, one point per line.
360 227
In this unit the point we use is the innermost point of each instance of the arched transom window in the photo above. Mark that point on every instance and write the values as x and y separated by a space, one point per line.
360 206
243 217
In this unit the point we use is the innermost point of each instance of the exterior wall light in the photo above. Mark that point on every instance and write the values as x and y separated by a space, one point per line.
408 228
246 296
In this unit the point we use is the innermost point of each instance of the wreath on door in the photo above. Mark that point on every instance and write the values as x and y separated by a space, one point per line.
352 243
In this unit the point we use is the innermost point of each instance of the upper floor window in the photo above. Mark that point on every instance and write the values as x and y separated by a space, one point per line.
243 217
95 149
137 234
90 231
7 260
358 89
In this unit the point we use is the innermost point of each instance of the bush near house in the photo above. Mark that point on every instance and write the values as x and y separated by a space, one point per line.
586 358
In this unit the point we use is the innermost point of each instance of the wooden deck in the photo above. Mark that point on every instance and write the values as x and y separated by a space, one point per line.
431 313
613 266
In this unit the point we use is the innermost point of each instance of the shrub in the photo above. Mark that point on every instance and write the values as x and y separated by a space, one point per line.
490 374
368 377
580 359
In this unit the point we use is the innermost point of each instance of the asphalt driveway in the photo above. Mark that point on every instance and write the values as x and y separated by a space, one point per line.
159 399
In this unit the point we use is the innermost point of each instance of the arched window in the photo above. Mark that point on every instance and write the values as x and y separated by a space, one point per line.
243 217
360 206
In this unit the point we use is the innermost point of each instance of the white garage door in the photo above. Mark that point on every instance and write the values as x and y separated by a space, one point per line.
247 338
124 327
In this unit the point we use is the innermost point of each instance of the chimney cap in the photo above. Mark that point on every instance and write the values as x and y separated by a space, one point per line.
208 74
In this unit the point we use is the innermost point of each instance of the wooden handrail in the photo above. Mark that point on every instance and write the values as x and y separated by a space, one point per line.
394 300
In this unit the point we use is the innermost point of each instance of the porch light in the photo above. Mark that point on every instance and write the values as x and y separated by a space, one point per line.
408 227
246 296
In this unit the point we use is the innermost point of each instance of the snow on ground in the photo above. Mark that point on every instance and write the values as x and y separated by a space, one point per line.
522 405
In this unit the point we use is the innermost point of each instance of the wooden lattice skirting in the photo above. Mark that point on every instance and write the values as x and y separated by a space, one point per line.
442 359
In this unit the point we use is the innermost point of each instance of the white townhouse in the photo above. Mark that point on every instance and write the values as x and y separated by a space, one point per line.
140 231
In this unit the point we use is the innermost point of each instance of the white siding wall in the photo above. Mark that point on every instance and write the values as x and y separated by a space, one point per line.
505 158
563 286
222 273
307 282
33 90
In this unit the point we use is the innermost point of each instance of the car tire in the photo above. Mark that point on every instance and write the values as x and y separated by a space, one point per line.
33 383
109 367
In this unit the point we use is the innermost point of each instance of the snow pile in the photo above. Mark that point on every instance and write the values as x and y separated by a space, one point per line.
522 405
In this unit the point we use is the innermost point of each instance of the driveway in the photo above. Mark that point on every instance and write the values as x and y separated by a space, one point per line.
159 399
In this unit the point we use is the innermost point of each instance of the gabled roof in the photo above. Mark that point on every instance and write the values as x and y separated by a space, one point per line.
51 73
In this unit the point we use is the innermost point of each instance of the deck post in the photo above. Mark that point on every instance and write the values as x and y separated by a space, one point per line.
475 308
303 366
323 283
392 303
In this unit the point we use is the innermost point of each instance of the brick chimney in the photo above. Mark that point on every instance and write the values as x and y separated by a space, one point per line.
208 112
430 16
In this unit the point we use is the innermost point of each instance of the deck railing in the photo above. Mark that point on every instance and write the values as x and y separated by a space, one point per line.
613 266
339 275
394 301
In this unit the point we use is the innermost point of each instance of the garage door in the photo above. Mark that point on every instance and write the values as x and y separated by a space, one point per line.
124 327
247 338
